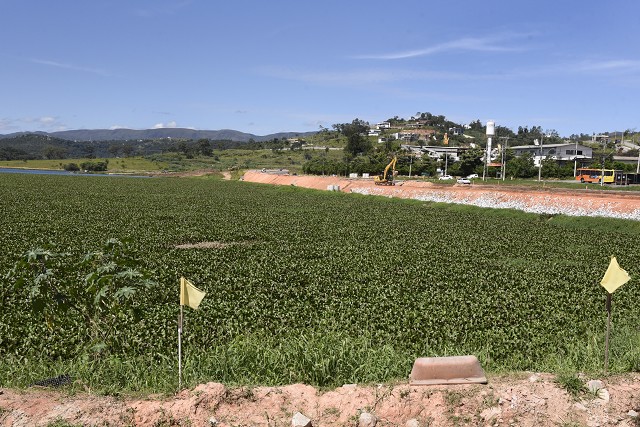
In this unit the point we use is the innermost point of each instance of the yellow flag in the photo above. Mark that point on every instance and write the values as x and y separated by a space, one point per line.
614 277
189 294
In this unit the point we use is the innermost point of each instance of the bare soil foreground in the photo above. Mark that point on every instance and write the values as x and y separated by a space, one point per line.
521 400
587 201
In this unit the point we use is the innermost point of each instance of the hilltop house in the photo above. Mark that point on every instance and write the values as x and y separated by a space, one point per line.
435 152
414 135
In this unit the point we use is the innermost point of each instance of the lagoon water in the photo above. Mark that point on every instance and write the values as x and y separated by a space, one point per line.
35 171
62 172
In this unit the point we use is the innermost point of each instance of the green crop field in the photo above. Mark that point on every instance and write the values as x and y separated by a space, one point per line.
309 286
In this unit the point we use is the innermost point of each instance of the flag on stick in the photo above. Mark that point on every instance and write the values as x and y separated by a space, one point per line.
189 294
614 277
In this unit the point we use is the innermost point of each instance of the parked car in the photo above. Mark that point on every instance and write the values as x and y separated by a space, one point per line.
445 177
463 181
473 175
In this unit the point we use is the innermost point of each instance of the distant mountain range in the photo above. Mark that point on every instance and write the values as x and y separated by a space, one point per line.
169 133
104 143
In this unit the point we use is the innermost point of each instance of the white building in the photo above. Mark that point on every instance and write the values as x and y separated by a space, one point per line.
561 152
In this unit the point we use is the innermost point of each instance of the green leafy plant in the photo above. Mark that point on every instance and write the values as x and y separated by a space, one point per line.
62 423
571 383
98 287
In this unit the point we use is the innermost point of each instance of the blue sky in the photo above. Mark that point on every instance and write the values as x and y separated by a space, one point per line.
270 66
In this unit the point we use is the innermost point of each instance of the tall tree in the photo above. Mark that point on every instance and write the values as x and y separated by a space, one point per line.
470 160
477 125
521 167
204 147
114 149
127 150
356 134
54 152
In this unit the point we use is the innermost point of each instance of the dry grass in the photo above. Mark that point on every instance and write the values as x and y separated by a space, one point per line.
211 245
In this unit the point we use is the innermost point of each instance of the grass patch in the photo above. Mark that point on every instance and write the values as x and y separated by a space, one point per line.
62 423
324 360
125 164
571 383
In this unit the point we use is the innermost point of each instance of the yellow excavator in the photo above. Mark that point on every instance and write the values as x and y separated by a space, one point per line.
387 178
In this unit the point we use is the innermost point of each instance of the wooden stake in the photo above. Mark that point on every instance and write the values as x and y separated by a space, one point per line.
606 345
180 349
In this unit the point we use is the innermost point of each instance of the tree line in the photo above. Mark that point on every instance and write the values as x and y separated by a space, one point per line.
362 156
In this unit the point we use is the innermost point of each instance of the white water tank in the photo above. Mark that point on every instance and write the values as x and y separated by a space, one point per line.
491 128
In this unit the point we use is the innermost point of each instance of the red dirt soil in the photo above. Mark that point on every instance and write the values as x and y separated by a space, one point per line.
521 400
582 202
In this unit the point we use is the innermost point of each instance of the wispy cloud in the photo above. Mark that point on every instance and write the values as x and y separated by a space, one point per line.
171 124
44 123
621 65
70 67
487 44
8 125
50 123
588 67
46 120
367 77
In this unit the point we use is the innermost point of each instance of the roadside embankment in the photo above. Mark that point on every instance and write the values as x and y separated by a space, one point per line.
578 202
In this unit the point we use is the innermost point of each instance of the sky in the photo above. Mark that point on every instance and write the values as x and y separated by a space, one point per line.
263 67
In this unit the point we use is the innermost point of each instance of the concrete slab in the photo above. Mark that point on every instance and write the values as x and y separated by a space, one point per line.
447 370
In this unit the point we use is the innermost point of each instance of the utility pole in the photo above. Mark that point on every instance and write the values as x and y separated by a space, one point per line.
504 155
575 161
604 145
540 160
633 142
446 162
491 131
410 163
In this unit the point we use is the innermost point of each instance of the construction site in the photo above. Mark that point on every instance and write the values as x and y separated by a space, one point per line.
584 200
